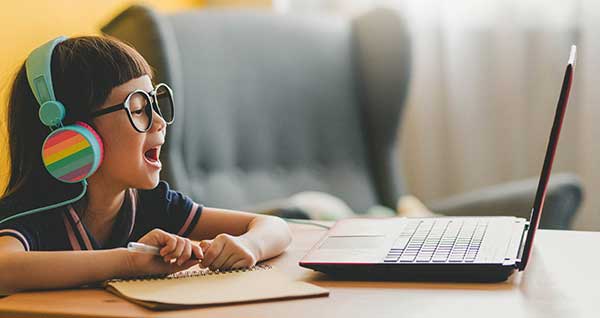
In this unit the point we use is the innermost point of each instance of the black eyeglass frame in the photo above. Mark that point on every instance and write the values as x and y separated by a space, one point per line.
151 96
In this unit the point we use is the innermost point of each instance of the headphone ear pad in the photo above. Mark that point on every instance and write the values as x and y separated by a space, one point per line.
96 137
73 153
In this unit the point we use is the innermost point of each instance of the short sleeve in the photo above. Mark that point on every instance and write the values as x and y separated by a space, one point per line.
21 232
170 210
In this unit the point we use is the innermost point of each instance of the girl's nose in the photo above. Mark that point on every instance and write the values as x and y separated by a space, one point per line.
158 123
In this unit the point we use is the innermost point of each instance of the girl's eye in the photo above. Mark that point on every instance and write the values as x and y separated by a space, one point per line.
137 103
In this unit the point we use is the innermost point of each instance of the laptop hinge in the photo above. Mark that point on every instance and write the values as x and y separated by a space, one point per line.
521 247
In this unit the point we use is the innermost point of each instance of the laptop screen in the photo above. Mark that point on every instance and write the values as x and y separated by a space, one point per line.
540 195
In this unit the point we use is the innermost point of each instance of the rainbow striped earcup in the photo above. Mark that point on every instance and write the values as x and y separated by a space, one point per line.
72 153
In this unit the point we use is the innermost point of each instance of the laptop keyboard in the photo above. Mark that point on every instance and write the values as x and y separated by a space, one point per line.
438 241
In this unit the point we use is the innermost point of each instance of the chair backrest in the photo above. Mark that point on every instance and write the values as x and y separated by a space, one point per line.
268 105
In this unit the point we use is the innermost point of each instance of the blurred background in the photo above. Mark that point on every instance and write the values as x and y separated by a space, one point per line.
485 79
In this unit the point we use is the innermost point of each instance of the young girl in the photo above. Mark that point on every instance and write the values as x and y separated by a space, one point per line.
85 241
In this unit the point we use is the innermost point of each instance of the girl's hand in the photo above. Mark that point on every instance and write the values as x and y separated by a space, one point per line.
175 254
227 252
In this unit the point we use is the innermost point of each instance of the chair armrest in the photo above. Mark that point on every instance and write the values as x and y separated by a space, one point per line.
563 198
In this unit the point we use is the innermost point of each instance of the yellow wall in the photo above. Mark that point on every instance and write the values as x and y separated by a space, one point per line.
29 23
239 3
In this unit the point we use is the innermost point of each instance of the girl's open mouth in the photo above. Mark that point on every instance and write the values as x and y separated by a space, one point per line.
151 156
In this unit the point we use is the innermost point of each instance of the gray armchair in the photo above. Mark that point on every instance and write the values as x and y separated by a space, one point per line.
268 105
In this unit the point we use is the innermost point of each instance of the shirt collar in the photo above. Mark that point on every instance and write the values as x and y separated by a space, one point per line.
81 239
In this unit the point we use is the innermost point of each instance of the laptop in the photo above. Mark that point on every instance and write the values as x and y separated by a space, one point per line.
476 249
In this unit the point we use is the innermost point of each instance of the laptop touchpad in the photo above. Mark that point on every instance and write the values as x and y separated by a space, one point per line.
354 241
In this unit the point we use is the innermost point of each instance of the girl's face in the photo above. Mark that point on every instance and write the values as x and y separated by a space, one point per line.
131 159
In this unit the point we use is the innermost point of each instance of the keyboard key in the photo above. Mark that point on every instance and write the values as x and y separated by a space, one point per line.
438 241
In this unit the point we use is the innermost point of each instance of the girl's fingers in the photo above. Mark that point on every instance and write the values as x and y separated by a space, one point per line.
204 245
197 251
177 251
221 260
211 254
187 252
174 267
170 243
232 260
239 264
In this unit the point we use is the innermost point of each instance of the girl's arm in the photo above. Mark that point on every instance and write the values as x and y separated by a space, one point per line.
264 236
271 235
22 270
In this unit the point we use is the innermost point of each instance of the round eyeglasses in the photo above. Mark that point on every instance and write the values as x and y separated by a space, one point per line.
139 105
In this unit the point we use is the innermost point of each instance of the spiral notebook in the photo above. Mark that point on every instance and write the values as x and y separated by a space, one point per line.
201 287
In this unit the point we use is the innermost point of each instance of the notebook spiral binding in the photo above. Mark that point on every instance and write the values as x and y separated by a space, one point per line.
194 273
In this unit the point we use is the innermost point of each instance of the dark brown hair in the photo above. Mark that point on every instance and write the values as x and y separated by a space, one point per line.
84 71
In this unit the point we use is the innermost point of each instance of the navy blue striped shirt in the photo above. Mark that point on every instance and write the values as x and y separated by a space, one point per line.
61 230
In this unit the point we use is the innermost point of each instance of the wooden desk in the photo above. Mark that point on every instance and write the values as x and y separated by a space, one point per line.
562 280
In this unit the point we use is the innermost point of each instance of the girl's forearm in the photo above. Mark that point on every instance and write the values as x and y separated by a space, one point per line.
48 270
269 236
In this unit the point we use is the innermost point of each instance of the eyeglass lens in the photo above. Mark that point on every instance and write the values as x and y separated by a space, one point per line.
141 110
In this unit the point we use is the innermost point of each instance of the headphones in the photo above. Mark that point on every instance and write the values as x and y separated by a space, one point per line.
70 153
